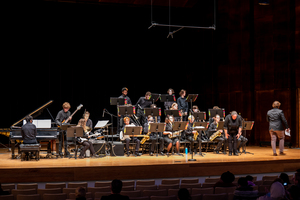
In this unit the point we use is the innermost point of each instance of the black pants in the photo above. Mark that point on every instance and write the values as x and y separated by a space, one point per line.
33 141
141 116
220 141
153 139
87 145
232 141
191 139
137 146
63 136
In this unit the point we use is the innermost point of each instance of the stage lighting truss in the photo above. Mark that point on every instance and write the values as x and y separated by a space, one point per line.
180 27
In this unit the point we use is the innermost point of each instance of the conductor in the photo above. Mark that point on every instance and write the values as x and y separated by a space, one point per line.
233 130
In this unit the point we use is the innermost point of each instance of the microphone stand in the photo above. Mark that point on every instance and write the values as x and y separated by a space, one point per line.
112 121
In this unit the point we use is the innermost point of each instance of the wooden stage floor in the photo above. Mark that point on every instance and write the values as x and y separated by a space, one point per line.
145 167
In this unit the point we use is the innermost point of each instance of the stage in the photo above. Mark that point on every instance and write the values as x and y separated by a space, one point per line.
145 167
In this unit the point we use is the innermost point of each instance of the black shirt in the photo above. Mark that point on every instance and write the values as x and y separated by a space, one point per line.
61 116
89 123
143 103
233 125
28 131
182 104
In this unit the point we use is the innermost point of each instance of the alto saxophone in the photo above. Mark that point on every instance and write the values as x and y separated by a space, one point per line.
147 136
196 135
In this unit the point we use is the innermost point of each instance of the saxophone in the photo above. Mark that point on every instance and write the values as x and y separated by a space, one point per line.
147 136
196 135
216 134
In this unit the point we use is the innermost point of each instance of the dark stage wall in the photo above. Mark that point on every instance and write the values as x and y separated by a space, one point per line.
85 53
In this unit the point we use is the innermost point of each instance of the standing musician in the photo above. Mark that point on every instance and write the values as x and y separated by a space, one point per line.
154 136
61 116
127 138
212 129
86 144
142 103
168 104
170 141
233 130
124 95
128 102
182 104
190 133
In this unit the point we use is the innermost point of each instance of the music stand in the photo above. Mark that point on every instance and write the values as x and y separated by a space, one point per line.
199 116
126 110
74 132
213 112
175 113
154 97
114 101
156 128
167 97
180 126
155 112
191 98
133 131
247 126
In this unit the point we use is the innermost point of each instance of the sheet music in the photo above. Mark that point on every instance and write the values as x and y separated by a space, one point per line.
101 124
40 123
287 133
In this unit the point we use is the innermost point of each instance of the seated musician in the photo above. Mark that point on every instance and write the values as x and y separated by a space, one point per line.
241 143
195 109
175 107
127 138
88 122
168 104
189 132
168 130
154 136
28 131
212 129
86 143
63 115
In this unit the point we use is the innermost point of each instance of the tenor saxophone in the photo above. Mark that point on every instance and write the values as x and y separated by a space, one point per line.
216 134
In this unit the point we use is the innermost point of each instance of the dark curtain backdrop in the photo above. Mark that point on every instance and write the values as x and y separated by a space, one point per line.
85 53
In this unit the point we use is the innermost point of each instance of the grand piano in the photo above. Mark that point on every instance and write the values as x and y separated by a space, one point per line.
45 134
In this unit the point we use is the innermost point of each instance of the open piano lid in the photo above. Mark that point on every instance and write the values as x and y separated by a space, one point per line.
35 113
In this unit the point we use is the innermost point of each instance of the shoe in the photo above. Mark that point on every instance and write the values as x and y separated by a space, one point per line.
162 153
151 154
128 154
138 154
81 157
274 154
230 154
281 153
236 154
95 156
168 154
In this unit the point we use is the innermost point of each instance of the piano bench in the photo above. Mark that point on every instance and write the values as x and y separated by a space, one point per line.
33 148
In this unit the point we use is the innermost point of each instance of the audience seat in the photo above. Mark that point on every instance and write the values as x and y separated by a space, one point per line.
61 196
27 186
203 190
28 197
149 193
220 190
214 196
136 193
194 180
170 181
145 182
55 185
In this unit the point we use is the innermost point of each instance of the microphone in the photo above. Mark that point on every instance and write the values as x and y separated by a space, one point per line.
103 112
